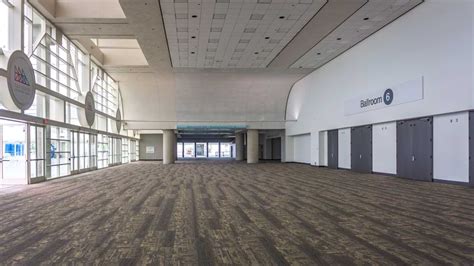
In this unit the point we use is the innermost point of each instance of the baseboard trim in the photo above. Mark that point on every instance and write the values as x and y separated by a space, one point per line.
449 182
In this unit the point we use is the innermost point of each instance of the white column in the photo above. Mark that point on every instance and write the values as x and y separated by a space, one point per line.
169 146
252 146
239 146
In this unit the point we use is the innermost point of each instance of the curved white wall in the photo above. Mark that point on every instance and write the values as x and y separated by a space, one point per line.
433 41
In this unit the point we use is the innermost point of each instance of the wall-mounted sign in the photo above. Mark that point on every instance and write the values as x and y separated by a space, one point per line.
409 91
150 149
118 120
87 116
21 82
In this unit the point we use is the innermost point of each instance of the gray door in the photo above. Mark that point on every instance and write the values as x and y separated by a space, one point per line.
333 149
361 149
471 148
276 149
415 149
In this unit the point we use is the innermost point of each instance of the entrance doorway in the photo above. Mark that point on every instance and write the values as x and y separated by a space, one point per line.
13 154
84 152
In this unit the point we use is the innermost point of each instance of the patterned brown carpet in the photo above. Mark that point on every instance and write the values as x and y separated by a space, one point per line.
234 213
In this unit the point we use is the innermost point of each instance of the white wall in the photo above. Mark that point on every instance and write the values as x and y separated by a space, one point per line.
302 148
384 148
433 41
344 148
451 147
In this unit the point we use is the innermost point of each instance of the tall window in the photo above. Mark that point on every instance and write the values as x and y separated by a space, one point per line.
105 91
59 65
4 31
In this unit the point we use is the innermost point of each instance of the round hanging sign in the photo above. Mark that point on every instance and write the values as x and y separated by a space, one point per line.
118 120
21 80
89 108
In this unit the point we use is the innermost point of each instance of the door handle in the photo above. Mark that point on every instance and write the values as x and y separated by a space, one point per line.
413 158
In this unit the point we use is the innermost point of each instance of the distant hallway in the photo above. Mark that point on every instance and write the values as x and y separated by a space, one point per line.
214 213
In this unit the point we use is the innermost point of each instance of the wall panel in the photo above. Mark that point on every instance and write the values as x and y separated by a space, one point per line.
451 147
384 159
302 148
344 148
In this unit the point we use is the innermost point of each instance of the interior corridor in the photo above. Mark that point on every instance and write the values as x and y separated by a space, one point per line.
204 213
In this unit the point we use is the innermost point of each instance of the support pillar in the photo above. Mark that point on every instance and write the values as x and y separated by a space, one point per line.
239 146
252 146
169 146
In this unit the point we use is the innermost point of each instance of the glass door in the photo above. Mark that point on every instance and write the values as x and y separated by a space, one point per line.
103 151
13 155
226 150
189 150
37 153
213 149
201 150
58 156
84 151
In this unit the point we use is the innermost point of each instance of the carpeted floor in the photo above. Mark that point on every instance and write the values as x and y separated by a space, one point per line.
234 213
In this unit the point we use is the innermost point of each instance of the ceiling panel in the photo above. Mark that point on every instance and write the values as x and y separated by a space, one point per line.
370 18
233 34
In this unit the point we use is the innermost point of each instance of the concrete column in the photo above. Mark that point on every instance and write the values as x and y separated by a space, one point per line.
252 146
169 146
239 146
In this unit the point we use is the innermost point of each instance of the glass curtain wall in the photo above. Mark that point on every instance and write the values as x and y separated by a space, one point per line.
60 67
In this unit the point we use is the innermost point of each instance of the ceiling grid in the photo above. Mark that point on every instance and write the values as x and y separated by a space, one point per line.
230 34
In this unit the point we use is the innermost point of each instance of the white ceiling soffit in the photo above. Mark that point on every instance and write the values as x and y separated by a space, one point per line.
233 34
368 19
144 18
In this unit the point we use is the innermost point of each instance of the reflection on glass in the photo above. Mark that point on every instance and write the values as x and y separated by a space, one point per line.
179 149
201 150
188 150
213 150
226 151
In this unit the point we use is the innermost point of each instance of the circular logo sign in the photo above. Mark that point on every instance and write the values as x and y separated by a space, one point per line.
21 80
118 120
90 108
388 96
